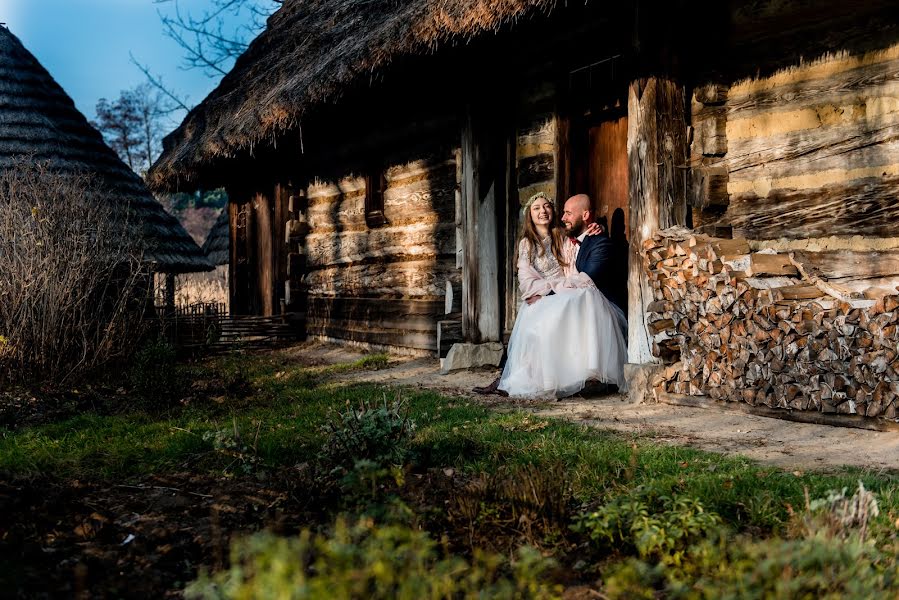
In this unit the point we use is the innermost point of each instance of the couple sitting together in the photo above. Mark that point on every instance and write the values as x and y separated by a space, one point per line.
571 327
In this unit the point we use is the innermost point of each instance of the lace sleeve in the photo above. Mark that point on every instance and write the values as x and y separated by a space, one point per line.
524 252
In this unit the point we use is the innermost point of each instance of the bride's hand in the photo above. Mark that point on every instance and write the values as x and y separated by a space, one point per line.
532 299
594 229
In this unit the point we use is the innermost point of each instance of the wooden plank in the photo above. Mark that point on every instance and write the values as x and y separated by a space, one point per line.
235 249
265 259
797 292
394 322
316 314
798 416
399 306
836 264
351 247
860 207
280 216
869 80
657 151
810 158
511 212
608 172
488 255
399 339
482 183
389 277
470 305
770 264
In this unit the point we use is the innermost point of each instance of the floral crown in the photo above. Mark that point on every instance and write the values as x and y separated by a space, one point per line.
532 199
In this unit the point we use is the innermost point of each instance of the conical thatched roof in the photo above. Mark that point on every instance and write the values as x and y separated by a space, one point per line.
39 120
310 51
217 244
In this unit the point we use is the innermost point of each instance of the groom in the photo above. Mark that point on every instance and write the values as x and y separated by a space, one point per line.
594 255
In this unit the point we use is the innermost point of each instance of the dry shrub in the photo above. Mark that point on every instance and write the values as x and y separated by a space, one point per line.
72 281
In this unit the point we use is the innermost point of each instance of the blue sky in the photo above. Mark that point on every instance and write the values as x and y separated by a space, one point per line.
84 44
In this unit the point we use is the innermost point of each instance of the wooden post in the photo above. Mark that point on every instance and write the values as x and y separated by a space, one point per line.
234 301
657 157
480 266
170 293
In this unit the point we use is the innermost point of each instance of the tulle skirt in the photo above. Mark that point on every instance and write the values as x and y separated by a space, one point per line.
563 340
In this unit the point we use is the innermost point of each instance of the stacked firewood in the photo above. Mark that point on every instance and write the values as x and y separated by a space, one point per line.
739 326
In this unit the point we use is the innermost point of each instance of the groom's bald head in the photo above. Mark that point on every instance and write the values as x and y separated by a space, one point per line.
578 214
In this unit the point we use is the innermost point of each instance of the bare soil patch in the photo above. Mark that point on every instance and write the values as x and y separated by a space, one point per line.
141 540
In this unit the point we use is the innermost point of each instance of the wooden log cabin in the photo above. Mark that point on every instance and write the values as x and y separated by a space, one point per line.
377 155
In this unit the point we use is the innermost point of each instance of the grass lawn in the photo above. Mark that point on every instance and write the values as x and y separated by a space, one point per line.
262 418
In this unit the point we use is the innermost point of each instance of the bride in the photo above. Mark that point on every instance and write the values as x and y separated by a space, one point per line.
567 331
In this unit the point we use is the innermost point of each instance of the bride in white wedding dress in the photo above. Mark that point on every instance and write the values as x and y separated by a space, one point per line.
567 331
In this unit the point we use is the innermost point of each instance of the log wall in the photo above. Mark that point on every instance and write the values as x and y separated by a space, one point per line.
811 151
384 285
536 155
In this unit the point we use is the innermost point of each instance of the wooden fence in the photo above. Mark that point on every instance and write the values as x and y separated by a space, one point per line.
209 328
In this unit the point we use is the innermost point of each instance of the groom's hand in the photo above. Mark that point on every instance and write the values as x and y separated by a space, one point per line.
532 299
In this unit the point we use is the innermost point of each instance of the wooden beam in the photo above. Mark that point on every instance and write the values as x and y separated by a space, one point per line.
482 188
837 264
470 306
860 207
657 156
234 302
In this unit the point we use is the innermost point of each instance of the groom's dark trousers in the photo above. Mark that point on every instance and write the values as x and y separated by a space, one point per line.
602 260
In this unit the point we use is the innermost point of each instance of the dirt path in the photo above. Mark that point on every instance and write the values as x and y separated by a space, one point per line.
771 441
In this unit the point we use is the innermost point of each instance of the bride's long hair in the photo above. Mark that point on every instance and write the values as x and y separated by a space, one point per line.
556 230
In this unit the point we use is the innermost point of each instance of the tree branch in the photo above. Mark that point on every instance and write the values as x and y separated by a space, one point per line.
157 83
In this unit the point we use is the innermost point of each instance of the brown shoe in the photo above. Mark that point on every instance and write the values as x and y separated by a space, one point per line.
493 388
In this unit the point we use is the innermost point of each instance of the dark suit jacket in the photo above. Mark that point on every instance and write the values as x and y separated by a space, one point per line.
600 259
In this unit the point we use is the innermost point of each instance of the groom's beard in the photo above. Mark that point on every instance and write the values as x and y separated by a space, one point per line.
576 229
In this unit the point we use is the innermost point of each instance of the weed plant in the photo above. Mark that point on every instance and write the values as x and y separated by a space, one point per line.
366 560
375 431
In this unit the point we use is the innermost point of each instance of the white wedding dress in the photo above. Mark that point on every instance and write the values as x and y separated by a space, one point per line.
565 338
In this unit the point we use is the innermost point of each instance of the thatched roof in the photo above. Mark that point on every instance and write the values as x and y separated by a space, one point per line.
310 51
216 247
39 120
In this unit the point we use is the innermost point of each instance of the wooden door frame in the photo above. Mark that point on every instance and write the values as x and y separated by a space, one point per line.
484 199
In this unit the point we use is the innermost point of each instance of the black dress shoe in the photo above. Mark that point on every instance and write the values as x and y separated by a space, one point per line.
493 388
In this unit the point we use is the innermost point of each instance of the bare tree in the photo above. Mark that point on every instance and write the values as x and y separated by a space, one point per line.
211 41
132 125
119 123
215 38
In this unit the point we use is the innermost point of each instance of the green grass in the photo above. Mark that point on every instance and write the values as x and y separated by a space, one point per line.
287 405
